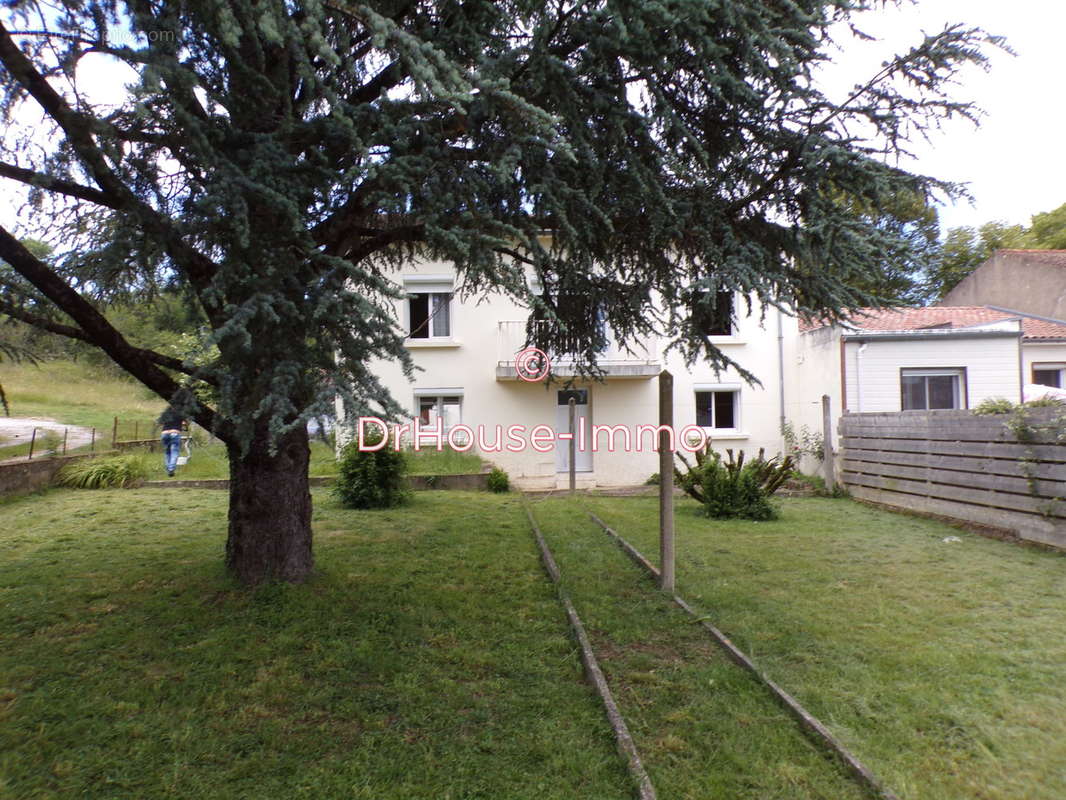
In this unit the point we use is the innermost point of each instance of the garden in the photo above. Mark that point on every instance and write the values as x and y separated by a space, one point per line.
429 656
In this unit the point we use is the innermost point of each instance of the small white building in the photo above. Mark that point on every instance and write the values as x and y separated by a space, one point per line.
924 358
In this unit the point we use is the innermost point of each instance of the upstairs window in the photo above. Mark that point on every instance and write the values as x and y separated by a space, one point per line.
924 389
718 409
716 319
430 315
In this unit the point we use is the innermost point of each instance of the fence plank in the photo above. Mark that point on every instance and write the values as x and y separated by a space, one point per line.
976 480
982 497
1052 453
997 466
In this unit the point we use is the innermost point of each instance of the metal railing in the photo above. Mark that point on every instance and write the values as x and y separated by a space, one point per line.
511 340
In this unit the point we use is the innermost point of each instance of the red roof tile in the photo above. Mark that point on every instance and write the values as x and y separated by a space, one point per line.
912 319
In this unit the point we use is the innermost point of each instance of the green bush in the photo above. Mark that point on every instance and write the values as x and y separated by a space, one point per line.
653 480
734 488
110 472
371 479
1047 401
993 405
498 481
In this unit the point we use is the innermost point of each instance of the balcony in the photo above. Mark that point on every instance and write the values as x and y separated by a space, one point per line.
642 363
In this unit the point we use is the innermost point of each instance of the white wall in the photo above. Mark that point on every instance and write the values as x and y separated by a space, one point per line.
991 364
467 363
1041 352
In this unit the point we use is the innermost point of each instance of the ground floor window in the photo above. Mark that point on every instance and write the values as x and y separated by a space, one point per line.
923 389
718 408
1049 375
445 407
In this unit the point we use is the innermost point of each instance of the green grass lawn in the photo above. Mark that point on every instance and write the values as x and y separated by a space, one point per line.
429 659
942 665
78 394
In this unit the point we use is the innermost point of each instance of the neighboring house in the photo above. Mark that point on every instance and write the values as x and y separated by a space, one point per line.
926 358
1028 281
466 349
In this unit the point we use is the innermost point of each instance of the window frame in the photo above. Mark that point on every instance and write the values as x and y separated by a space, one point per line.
1048 366
439 395
723 388
431 286
960 386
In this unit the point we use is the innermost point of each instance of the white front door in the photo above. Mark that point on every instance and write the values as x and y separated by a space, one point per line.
582 423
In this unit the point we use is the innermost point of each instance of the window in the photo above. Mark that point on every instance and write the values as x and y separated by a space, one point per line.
718 409
430 315
924 389
716 319
1049 375
445 407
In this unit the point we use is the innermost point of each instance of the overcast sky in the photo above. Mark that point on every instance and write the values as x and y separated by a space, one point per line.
1013 162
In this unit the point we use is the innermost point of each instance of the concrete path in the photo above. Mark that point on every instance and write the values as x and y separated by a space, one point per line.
18 430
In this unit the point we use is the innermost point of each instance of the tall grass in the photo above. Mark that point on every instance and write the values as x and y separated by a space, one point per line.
111 472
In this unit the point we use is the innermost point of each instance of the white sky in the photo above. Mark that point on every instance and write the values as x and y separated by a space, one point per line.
1012 163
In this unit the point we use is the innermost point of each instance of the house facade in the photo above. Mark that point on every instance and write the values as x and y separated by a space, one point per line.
472 386
467 354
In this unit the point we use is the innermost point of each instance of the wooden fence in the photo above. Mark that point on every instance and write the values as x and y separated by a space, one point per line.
1002 470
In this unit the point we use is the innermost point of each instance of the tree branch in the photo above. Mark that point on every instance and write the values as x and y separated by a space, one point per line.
79 130
70 332
138 362
43 181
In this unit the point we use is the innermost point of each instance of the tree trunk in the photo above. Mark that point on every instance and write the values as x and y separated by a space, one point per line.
270 512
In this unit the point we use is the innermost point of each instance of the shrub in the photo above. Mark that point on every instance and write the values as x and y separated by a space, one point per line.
734 488
498 481
653 480
993 405
371 479
1047 401
110 472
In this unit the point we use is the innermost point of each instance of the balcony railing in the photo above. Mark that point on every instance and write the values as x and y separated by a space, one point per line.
643 361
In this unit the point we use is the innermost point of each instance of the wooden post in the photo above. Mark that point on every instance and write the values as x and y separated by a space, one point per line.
92 442
666 481
827 444
33 439
65 440
114 433
573 447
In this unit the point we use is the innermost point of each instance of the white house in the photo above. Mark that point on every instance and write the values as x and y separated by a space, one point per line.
467 352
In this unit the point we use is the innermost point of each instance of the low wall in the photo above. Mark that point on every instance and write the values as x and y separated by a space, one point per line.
980 469
471 481
22 477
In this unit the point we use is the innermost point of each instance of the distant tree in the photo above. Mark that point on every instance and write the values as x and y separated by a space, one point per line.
911 229
277 160
964 249
1047 231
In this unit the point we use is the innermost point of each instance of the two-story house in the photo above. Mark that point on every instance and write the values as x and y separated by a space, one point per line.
467 353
